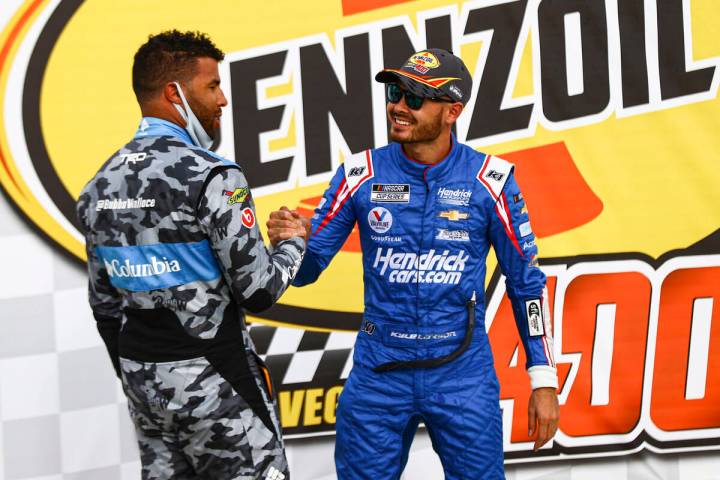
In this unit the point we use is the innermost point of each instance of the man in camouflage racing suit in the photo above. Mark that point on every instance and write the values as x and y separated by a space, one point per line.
174 256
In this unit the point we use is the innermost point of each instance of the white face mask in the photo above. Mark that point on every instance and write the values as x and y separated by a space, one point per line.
193 126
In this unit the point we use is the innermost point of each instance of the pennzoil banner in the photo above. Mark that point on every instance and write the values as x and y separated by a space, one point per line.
608 108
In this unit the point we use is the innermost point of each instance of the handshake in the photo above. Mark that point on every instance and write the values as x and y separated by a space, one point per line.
285 223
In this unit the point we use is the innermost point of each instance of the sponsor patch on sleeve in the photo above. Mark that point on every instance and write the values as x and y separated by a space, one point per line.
237 196
248 217
525 229
534 312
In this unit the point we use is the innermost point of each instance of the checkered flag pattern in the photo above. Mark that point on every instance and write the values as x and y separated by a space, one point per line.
300 356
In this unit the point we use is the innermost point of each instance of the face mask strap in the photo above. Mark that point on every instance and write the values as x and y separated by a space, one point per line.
192 125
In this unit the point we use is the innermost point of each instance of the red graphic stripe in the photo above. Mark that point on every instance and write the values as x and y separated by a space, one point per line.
332 211
503 204
481 177
368 164
4 53
508 225
546 308
430 82
335 208
351 7
550 359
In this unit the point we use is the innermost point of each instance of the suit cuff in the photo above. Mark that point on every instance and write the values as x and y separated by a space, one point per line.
542 376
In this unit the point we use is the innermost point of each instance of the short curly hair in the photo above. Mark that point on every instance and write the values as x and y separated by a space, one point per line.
169 56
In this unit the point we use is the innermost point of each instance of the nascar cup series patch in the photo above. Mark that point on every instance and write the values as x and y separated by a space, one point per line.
390 193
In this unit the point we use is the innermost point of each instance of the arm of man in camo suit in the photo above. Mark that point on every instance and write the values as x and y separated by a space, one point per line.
105 301
226 211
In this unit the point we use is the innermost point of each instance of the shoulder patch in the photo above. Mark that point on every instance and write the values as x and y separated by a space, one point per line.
358 170
493 174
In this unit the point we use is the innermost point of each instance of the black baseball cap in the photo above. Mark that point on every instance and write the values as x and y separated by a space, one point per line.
432 73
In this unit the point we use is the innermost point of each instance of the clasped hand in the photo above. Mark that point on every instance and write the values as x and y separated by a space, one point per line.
285 223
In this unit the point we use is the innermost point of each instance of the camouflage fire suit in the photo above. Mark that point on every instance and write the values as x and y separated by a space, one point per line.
174 256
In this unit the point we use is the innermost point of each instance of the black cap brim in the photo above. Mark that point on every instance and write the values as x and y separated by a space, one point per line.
413 86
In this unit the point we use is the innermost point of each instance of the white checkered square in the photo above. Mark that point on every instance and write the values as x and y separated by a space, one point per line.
341 340
27 326
95 433
77 330
47 477
31 447
697 467
87 379
29 386
128 440
31 270
105 473
285 340
130 470
348 366
303 366
2 448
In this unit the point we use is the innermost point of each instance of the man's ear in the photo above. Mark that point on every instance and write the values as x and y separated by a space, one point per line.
170 93
454 112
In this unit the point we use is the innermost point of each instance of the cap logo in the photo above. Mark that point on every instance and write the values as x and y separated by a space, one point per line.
423 61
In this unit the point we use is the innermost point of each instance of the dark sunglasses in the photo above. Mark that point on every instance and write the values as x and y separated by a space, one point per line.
393 93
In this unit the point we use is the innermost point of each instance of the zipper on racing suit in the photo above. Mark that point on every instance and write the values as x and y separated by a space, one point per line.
436 362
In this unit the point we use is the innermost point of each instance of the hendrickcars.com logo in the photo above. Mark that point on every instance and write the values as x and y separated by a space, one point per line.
607 108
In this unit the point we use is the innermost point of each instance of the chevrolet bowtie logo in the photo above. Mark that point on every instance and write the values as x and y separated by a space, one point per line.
454 215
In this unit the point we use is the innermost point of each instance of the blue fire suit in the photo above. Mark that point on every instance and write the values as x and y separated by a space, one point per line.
425 233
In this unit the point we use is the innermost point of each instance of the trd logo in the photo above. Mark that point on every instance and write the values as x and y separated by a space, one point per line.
133 157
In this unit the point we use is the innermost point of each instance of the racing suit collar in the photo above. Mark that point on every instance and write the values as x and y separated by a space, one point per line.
157 127
413 167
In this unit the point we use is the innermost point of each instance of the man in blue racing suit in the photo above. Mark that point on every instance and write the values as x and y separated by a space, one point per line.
428 209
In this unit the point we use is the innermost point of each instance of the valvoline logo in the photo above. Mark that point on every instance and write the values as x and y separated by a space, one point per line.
380 219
